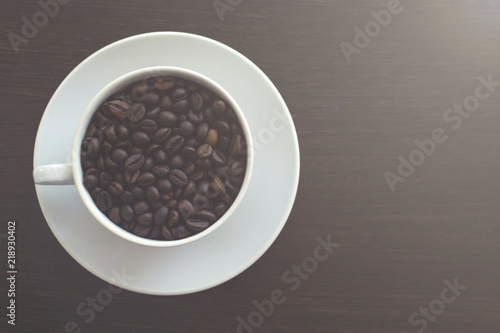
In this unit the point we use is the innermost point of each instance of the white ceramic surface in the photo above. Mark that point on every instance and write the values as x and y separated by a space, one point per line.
55 174
227 251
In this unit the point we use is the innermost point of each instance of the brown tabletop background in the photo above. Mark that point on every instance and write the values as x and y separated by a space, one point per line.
353 120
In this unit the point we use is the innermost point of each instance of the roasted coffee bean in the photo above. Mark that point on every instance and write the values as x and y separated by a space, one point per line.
189 153
152 99
132 176
123 144
180 232
166 103
192 143
177 162
235 129
155 233
231 189
138 192
99 163
178 178
200 201
141 207
161 171
202 131
212 137
223 143
222 127
218 158
148 126
115 188
207 96
197 176
186 208
139 91
146 179
204 151
208 116
164 83
90 181
160 216
104 201
153 113
152 193
117 108
142 230
108 162
162 135
238 168
121 131
186 129
119 178
172 204
91 147
145 219
236 145
179 94
189 168
203 164
126 212
153 148
220 209
190 190
92 171
114 215
119 155
196 101
134 162
164 186
106 147
127 197
218 186
110 134
105 178
95 191
140 139
237 180
174 144
206 215
181 107
178 194
167 119
173 218
166 233
136 150
160 157
196 117
197 224
219 108
128 225
136 112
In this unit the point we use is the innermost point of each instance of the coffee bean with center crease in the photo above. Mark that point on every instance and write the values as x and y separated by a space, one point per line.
236 145
132 176
178 178
148 126
204 151
179 94
110 134
189 153
164 83
153 113
222 127
161 171
134 162
218 158
104 201
197 224
196 101
136 112
238 168
174 144
152 193
146 179
162 135
115 188
206 215
196 117
173 218
166 233
118 108
141 230
91 147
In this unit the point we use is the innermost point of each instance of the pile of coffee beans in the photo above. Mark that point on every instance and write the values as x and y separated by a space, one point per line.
164 159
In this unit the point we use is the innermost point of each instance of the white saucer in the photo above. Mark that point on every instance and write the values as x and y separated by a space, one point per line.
234 246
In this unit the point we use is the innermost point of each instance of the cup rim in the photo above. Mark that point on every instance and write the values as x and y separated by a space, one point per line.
119 84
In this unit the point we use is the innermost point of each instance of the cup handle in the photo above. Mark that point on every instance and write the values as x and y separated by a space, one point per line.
53 174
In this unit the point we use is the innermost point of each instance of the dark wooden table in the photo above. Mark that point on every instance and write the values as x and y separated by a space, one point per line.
400 248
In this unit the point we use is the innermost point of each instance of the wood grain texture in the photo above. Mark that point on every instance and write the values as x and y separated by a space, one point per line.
353 121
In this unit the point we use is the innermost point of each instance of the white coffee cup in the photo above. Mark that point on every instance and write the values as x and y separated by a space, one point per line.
72 174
